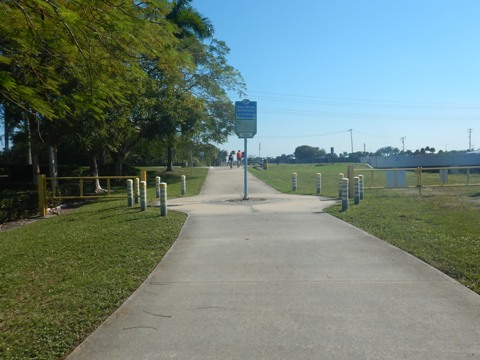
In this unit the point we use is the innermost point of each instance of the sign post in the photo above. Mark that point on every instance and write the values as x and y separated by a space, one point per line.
246 128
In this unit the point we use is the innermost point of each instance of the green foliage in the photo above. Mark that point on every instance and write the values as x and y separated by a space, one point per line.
16 205
114 73
307 153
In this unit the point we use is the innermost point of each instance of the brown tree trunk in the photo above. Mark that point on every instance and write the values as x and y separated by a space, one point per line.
94 172
36 144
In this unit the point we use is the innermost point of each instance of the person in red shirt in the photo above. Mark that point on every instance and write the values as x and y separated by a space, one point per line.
239 158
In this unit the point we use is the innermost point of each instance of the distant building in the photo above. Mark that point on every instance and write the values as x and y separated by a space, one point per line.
471 158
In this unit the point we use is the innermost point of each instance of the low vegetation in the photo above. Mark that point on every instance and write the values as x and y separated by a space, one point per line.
62 276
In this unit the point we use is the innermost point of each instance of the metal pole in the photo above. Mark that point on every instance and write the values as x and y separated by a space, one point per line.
130 192
245 170
356 190
143 195
163 199
345 188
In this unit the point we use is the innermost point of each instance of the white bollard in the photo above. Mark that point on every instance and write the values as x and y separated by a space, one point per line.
137 190
157 186
345 185
340 177
294 181
356 190
143 195
361 186
319 183
184 185
163 199
130 192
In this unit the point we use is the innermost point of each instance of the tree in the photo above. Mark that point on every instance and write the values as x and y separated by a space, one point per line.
387 151
307 153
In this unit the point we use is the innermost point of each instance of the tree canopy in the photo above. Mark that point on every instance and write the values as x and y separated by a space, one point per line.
108 73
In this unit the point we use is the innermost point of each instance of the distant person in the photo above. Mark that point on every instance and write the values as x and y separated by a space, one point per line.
230 158
239 158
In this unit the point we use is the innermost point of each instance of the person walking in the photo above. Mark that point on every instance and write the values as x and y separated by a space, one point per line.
230 158
239 158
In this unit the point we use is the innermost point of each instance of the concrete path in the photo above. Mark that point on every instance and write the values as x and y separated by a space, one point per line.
276 278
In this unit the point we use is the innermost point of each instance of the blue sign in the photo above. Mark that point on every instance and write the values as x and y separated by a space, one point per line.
246 110
245 118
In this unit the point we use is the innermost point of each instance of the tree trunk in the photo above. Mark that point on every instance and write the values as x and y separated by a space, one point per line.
94 171
6 127
170 154
117 164
36 142
29 142
52 160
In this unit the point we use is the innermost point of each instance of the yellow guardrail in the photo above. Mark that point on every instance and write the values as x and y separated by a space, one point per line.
419 177
46 194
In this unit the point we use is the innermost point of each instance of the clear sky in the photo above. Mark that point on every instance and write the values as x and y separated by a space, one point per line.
387 69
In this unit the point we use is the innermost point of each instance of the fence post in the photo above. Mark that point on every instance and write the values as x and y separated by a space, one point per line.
157 186
319 183
350 175
81 187
184 185
129 192
294 181
419 179
345 187
42 208
356 190
143 195
340 177
143 175
362 186
137 190
163 199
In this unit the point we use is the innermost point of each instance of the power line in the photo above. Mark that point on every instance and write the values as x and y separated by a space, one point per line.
302 136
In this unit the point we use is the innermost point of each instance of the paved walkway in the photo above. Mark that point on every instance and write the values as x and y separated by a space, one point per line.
276 278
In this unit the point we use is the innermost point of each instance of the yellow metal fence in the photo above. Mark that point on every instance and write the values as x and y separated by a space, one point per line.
420 177
62 188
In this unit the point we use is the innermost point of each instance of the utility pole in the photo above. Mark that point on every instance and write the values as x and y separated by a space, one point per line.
259 150
469 139
403 143
351 138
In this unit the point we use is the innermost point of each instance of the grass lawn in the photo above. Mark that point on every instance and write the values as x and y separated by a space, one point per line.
441 227
60 277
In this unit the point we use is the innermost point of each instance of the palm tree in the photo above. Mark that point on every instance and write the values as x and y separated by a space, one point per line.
192 29
189 21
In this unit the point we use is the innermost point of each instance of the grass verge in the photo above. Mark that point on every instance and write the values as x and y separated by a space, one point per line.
440 227
61 277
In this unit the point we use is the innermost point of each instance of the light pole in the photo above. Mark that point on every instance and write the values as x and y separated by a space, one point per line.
351 139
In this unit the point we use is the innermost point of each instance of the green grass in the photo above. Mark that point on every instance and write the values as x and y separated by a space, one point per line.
441 227
61 277
280 177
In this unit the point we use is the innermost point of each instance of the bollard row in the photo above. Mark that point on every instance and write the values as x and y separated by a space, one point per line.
344 188
137 192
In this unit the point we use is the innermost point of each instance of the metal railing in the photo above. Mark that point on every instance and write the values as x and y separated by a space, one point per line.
420 177
50 188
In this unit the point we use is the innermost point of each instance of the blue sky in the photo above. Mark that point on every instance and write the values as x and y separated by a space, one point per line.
386 69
